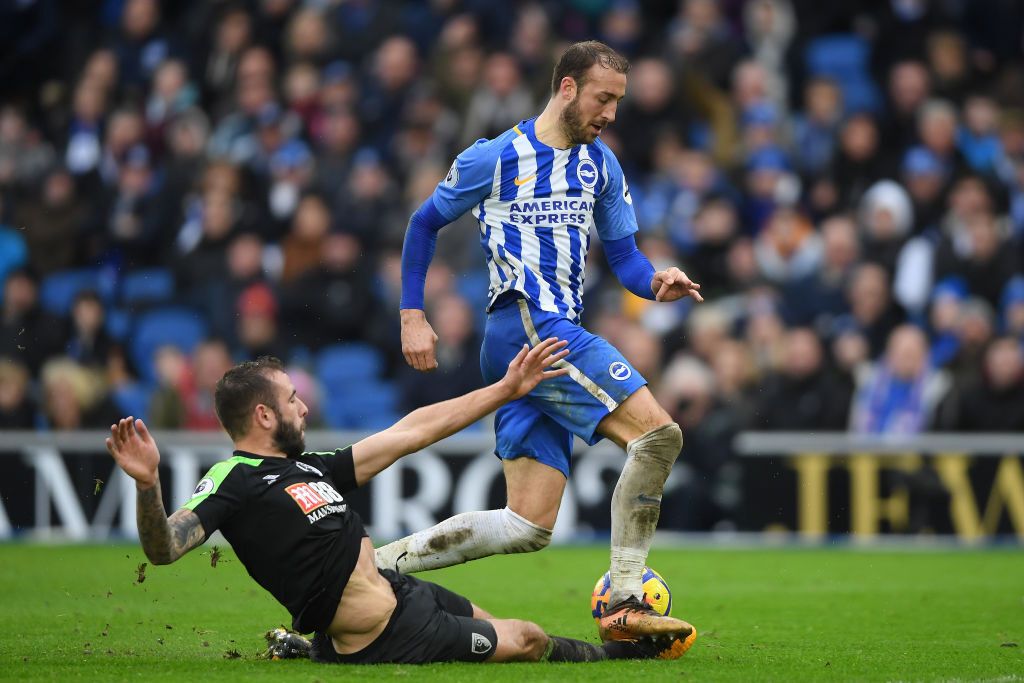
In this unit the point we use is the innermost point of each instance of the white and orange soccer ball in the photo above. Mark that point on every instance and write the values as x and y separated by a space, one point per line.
657 594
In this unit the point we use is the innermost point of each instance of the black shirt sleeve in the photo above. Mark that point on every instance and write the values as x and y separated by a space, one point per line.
219 494
341 466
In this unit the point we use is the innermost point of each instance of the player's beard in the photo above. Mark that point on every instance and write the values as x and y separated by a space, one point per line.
288 438
572 124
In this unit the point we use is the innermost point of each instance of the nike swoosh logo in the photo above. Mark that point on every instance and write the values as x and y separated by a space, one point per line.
523 181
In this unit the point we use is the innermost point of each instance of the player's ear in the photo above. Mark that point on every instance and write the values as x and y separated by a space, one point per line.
567 88
264 416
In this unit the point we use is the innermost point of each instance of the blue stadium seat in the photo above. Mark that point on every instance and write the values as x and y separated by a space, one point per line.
132 399
181 327
861 95
13 252
58 290
340 364
118 323
840 55
147 286
845 58
366 404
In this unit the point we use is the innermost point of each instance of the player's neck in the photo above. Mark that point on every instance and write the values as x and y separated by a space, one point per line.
548 127
257 446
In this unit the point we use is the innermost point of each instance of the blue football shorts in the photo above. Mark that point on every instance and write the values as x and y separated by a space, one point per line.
541 424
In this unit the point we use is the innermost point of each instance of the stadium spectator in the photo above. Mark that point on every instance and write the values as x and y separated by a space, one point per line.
993 402
74 397
979 253
302 247
873 313
1011 309
458 344
886 220
233 33
975 328
166 407
705 493
54 219
196 384
17 408
788 248
899 394
28 334
802 394
25 156
88 343
818 298
130 223
334 300
502 98
256 327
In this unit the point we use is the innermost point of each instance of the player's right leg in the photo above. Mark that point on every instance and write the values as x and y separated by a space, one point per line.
524 641
472 535
535 450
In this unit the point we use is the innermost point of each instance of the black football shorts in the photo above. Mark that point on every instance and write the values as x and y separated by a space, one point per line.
429 624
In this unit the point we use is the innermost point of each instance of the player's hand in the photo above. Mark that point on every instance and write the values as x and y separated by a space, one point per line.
418 340
529 367
134 450
672 284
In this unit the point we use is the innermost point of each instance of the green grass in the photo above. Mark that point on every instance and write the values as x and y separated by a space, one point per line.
769 614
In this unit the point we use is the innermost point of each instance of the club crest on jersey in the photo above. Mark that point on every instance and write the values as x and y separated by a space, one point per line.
308 468
586 173
452 179
481 644
619 371
204 486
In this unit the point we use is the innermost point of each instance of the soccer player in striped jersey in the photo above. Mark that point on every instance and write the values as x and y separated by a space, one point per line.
538 191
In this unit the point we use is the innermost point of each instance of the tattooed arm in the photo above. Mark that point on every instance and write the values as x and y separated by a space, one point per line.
163 540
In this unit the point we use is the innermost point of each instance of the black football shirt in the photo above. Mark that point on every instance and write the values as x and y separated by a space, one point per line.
289 524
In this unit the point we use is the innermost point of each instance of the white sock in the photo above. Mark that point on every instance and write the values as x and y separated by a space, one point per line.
636 505
464 537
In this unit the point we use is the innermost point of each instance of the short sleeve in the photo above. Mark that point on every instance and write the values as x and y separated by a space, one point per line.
341 465
613 214
469 180
219 495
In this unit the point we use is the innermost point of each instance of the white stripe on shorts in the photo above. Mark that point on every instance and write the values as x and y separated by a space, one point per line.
574 372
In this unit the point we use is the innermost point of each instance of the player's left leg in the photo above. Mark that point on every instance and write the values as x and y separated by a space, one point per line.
603 396
652 442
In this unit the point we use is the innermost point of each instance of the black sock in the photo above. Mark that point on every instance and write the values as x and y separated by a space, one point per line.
568 650
626 649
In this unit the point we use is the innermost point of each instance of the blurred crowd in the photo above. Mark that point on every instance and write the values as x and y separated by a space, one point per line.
846 181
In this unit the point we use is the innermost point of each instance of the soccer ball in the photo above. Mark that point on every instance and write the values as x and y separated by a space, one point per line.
657 594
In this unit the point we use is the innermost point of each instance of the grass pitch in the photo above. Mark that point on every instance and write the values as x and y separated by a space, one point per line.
73 612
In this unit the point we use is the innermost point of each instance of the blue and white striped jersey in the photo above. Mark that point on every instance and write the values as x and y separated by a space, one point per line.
536 206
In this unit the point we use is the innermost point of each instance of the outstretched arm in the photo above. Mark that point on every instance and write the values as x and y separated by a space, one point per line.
430 424
163 540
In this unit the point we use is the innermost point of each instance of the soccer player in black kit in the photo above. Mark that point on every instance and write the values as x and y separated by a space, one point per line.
283 511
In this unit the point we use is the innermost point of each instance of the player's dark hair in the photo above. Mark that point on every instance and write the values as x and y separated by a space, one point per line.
241 389
577 60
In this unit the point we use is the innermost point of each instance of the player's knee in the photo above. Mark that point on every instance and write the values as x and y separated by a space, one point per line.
531 641
661 444
523 535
